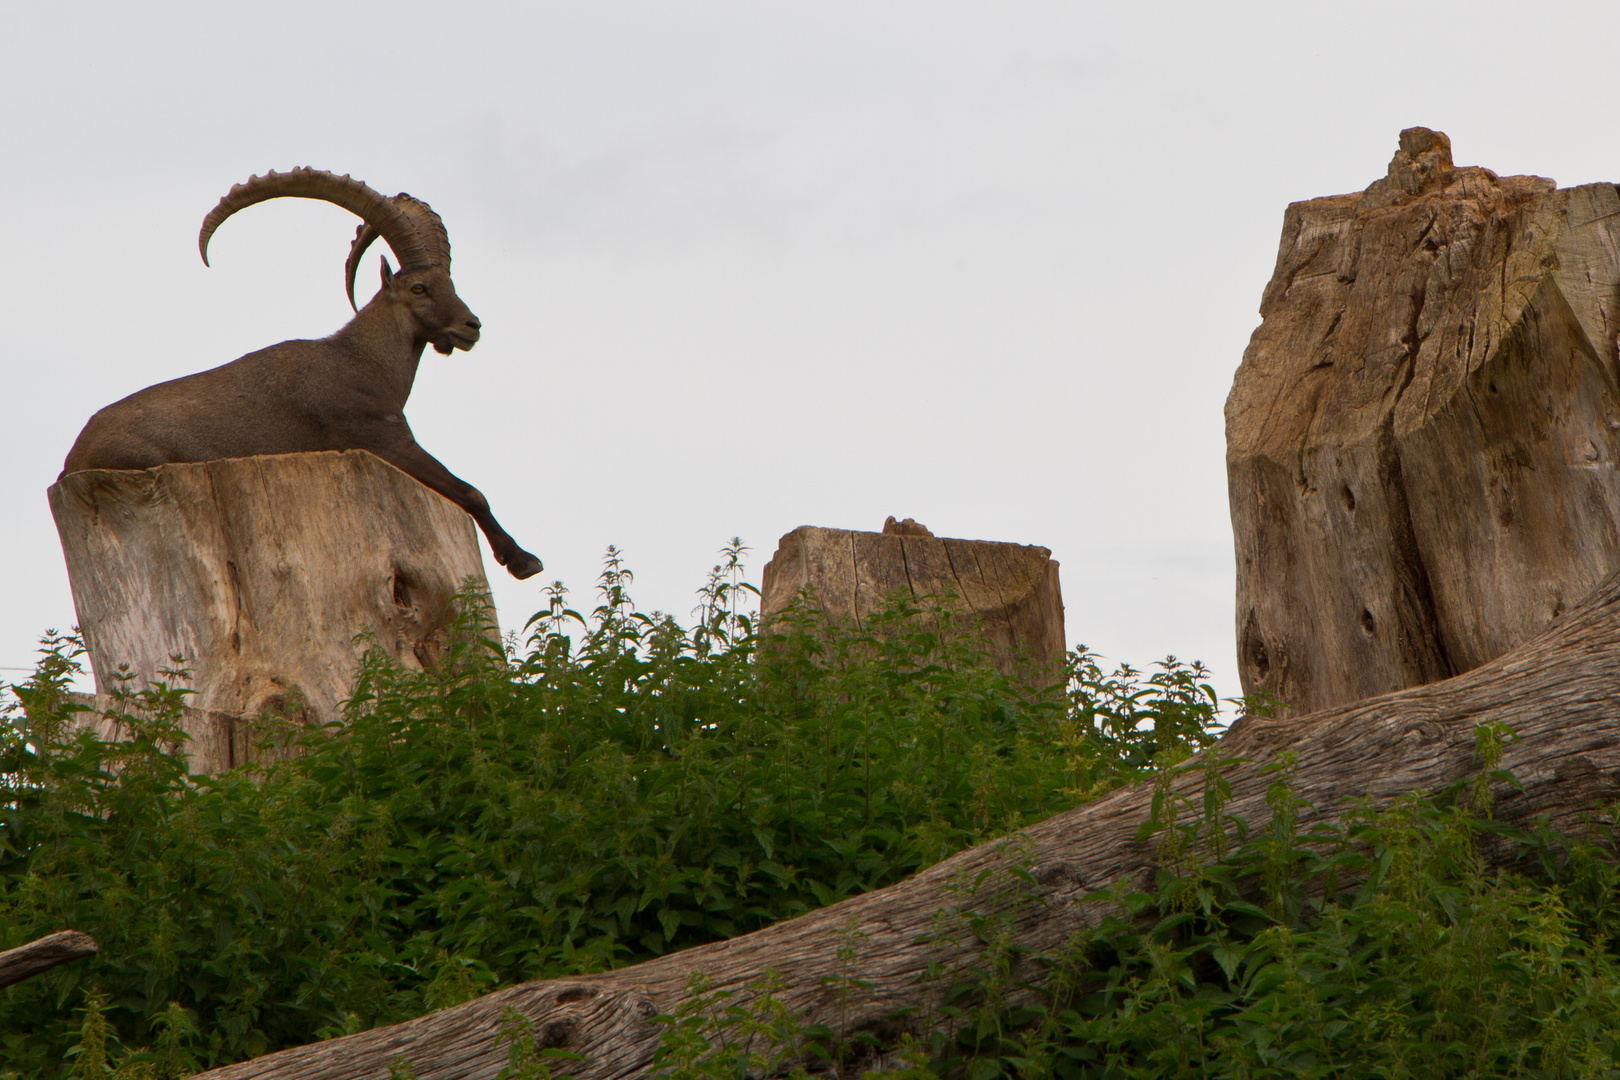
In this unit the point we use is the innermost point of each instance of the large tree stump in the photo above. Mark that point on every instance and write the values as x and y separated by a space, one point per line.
1560 692
1012 590
260 573
1422 436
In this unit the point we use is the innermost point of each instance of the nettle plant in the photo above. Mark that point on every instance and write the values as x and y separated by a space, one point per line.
610 786
1378 946
604 787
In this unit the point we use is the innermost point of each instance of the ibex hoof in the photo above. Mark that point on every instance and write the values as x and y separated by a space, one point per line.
523 565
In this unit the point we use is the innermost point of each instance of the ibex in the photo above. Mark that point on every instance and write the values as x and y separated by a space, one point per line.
343 392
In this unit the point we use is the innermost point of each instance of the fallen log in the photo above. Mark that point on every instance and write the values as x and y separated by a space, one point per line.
37 957
1560 691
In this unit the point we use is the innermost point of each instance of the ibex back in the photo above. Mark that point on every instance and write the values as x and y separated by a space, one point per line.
344 392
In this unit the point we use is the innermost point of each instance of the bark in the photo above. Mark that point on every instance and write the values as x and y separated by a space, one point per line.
1560 692
1423 434
1012 589
260 572
26 961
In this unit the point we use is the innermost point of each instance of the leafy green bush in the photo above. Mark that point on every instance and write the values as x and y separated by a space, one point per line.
614 787
1379 947
620 786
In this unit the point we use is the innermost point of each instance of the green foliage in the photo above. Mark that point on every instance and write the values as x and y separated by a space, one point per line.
615 787
1377 947
713 1034
620 786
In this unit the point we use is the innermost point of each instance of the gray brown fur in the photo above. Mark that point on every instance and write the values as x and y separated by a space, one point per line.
343 392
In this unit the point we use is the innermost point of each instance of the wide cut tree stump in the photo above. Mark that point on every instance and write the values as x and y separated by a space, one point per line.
1560 692
261 573
1422 436
1012 590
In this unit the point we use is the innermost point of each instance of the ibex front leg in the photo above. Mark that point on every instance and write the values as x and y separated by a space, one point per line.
428 469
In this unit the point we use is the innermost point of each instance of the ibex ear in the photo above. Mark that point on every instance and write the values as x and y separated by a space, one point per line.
387 275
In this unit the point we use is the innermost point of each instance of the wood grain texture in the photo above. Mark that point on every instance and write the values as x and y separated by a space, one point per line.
1560 691
37 957
1422 436
260 572
1013 589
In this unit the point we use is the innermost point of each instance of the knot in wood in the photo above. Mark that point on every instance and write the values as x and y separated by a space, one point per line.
556 1034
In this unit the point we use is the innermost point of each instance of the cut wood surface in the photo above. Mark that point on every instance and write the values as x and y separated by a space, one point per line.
1013 589
1560 692
37 957
1423 434
260 572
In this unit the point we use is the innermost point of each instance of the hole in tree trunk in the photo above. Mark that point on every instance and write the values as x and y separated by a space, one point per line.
402 589
1253 651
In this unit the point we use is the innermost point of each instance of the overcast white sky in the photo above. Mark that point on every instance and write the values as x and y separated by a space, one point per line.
747 266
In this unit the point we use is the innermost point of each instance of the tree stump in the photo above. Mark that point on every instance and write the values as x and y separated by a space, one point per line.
268 576
1011 589
1422 436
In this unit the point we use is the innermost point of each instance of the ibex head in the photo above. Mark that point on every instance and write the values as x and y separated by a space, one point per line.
427 297
421 291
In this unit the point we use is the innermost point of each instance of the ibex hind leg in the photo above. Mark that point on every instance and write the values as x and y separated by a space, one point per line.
104 446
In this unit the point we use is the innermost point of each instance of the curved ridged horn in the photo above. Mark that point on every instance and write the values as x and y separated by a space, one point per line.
431 224
364 234
411 228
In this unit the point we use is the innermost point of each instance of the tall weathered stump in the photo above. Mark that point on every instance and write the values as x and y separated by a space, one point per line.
267 576
1422 436
1012 590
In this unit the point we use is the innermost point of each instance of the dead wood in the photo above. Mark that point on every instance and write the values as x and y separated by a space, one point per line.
1560 691
37 957
1012 591
260 572
1423 437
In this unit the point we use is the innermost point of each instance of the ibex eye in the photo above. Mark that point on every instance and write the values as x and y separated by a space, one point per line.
418 288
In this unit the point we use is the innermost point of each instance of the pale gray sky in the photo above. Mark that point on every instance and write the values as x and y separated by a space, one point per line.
747 266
